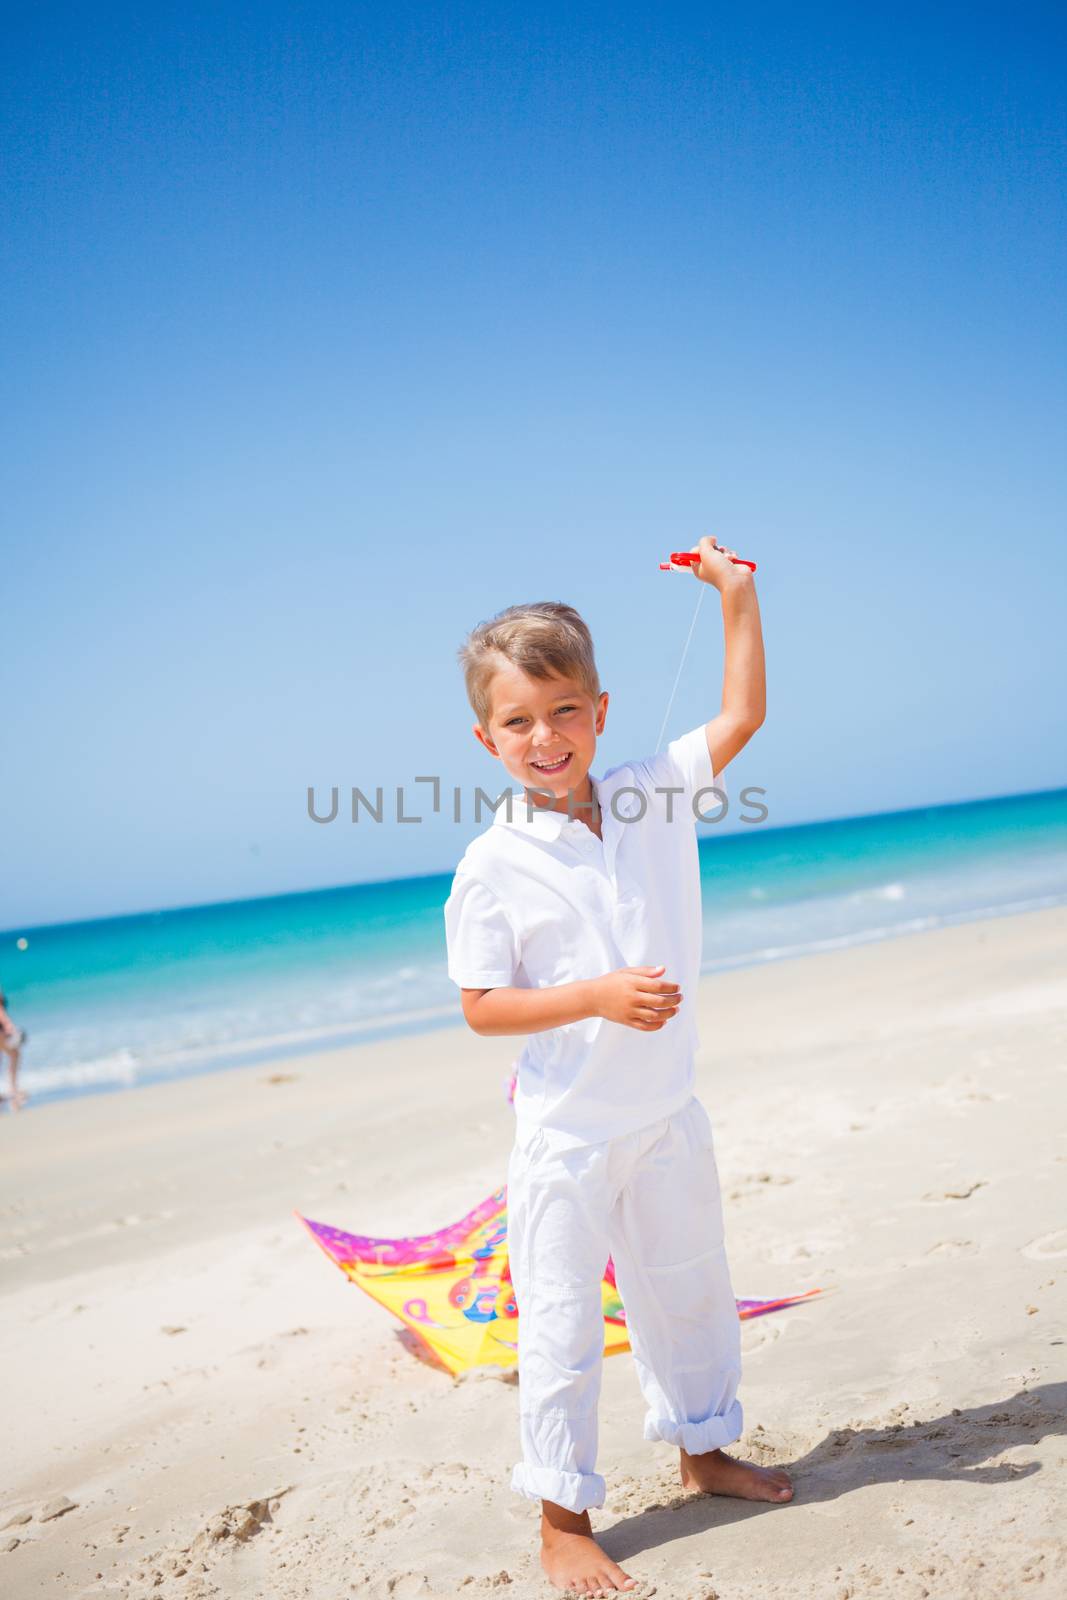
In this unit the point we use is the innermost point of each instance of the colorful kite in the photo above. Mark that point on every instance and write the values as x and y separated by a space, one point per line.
453 1288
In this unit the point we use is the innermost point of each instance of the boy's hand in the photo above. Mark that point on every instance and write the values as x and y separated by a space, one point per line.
715 566
638 997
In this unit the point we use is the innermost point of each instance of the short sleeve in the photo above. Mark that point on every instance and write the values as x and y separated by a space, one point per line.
690 755
483 949
686 765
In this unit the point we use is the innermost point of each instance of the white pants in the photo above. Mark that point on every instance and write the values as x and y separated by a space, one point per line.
651 1200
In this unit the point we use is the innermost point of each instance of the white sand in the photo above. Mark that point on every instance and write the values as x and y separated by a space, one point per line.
889 1124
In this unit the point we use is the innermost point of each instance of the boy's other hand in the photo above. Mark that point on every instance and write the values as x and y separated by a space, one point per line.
716 567
638 997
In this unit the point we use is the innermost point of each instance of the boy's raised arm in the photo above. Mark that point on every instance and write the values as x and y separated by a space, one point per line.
744 684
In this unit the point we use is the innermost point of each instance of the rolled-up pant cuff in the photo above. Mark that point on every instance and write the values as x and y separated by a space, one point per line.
698 1437
577 1491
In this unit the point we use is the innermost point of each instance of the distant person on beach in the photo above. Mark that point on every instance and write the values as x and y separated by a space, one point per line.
575 919
12 1039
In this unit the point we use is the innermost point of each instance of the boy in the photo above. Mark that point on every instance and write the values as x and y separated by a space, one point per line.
575 919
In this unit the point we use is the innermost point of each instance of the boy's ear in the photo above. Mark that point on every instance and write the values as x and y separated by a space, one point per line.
601 712
483 738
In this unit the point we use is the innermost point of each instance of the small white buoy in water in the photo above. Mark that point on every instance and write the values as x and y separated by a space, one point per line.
23 944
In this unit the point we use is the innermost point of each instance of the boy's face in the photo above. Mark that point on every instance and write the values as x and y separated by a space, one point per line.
544 730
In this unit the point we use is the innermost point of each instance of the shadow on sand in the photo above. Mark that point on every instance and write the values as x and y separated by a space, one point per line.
952 1447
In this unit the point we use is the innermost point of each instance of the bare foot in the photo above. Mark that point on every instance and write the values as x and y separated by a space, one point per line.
571 1557
718 1473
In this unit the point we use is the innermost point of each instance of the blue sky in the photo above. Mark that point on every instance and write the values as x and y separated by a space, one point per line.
330 331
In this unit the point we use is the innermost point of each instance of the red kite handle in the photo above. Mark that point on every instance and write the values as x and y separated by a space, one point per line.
691 558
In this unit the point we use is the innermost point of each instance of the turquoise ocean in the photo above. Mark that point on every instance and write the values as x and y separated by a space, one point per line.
122 1001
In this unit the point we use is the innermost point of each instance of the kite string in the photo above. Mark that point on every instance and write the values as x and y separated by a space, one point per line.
685 652
681 664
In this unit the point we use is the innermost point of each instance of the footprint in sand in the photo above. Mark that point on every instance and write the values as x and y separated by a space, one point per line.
1047 1247
757 1183
405 1586
760 1331
773 1447
811 1248
956 1191
953 1247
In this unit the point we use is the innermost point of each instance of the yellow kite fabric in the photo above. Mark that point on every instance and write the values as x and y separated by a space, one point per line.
453 1288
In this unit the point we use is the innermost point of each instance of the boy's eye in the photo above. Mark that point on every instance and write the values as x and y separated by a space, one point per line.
510 723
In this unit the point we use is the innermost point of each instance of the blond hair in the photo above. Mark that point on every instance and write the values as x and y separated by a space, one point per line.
544 639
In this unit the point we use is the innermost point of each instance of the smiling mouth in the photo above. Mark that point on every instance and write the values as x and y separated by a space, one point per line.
550 768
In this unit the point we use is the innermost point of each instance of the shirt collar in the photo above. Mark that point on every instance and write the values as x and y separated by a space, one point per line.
546 823
515 811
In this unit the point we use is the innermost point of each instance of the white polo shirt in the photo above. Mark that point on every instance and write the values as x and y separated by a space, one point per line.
538 900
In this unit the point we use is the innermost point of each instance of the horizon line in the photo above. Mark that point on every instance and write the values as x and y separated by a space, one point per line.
20 930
